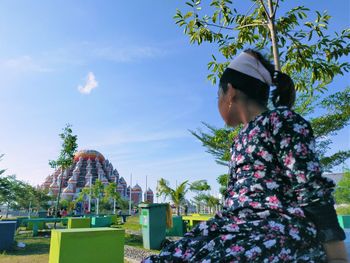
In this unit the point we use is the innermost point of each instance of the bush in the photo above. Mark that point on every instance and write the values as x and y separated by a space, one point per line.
343 210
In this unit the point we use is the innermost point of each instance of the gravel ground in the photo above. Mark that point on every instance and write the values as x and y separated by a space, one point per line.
134 254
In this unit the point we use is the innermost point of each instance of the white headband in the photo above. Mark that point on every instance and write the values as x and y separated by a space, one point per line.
249 65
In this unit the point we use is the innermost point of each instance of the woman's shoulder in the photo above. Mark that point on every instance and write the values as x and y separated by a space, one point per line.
283 113
283 118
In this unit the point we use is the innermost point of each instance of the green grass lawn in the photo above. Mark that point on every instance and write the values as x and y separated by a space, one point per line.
37 248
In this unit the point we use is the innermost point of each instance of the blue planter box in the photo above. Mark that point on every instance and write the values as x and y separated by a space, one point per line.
7 230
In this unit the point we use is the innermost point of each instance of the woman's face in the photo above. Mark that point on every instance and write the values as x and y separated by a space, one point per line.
227 105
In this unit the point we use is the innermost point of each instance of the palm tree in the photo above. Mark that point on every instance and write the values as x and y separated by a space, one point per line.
177 195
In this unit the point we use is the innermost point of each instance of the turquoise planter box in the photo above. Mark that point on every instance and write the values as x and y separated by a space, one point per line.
344 221
101 221
88 245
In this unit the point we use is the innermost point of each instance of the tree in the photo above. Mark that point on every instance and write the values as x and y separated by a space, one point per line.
306 51
110 193
177 195
65 159
9 189
301 45
97 191
33 197
342 191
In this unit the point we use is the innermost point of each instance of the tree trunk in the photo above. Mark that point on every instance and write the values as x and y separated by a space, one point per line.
178 210
272 28
114 206
7 210
58 196
97 205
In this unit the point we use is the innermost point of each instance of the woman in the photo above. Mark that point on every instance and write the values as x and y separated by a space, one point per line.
278 206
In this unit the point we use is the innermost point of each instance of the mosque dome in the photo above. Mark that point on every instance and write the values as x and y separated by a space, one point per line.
89 154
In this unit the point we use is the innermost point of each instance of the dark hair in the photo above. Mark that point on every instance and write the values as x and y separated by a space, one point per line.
284 93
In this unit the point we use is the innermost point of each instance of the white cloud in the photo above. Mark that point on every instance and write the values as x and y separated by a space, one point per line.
91 83
22 64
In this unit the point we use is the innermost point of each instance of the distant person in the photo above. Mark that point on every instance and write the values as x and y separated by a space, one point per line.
58 214
64 212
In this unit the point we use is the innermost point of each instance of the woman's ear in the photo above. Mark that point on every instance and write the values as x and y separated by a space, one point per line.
231 92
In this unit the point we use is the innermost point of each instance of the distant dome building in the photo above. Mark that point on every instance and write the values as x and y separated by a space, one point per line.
88 166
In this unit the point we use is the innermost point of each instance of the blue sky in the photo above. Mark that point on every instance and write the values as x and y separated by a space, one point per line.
148 87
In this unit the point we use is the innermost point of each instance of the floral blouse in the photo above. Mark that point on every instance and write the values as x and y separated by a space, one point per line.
274 166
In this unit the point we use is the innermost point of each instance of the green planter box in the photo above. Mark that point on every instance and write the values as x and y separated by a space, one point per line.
178 229
101 221
75 222
88 245
153 221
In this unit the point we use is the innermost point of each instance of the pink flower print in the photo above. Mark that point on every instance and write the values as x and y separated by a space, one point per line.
289 160
301 178
243 191
242 198
259 174
188 253
236 248
178 252
238 146
265 155
255 204
253 133
229 202
239 159
246 167
273 199
250 149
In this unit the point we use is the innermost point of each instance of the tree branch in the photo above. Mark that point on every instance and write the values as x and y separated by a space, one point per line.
267 12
